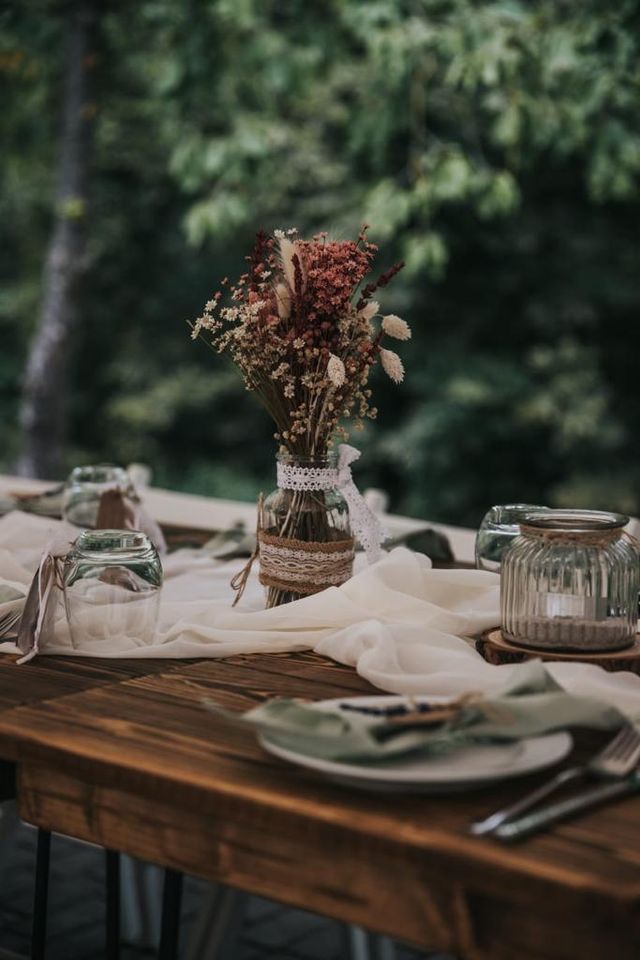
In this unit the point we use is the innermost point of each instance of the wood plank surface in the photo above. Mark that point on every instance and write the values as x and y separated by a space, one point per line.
138 765
45 678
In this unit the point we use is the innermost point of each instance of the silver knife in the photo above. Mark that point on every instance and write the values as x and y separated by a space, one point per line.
525 826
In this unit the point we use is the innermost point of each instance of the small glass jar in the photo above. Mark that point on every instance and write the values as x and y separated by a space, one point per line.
85 486
112 583
316 515
570 582
499 528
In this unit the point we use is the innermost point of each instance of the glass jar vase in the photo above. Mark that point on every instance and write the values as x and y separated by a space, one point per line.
305 542
112 581
570 582
84 488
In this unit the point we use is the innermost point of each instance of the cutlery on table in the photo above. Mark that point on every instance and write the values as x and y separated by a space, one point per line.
8 622
553 812
616 760
11 606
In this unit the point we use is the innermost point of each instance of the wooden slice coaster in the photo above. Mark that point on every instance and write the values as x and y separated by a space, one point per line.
495 649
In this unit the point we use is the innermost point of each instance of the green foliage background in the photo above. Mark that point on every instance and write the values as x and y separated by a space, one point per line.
495 146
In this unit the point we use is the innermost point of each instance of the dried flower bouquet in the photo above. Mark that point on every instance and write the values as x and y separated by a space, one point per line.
305 333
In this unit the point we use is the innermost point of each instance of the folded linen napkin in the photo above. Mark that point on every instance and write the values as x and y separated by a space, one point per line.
45 504
531 704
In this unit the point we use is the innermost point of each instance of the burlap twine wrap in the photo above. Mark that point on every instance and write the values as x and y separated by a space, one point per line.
301 566
586 538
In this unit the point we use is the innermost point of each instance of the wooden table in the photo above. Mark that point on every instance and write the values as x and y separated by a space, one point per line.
121 753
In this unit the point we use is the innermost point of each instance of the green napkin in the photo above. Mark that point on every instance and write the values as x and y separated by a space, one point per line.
430 542
7 593
531 704
231 543
46 504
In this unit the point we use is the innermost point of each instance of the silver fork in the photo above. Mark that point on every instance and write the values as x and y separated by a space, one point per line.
617 759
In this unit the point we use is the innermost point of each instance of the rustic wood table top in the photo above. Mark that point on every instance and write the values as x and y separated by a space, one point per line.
121 753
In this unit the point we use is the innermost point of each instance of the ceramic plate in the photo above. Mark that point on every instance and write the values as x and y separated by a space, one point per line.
461 769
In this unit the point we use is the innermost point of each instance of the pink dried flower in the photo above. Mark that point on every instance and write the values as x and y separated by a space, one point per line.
302 339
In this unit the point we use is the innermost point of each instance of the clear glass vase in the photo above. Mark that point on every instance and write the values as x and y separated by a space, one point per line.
84 488
570 582
499 528
112 581
305 535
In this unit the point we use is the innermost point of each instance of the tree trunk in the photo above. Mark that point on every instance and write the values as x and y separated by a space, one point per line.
43 411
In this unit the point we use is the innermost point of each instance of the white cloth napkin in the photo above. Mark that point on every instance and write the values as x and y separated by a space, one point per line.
400 623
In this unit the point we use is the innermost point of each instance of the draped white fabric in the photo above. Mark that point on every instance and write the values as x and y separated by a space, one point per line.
399 623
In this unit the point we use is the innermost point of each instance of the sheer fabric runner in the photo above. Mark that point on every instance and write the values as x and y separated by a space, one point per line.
400 623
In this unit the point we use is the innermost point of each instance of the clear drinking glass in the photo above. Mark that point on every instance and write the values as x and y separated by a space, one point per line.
112 584
570 582
85 486
499 528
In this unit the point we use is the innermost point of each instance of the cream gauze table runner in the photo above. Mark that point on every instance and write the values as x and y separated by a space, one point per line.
399 623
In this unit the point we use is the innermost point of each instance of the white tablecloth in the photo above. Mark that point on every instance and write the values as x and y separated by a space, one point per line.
170 508
400 624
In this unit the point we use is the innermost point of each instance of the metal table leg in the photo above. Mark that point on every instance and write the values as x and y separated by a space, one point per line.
358 945
40 897
215 933
112 932
171 904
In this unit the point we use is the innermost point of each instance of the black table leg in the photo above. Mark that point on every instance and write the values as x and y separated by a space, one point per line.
41 894
112 865
171 903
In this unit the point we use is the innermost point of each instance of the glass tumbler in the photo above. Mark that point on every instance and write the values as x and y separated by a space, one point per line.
499 528
570 582
85 486
112 583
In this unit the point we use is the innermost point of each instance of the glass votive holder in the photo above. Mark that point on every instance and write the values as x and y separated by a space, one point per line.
85 486
570 582
499 528
112 583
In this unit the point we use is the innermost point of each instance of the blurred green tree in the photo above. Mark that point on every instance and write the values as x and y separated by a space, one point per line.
43 413
494 145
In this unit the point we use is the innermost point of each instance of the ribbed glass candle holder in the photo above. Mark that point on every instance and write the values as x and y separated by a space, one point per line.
570 582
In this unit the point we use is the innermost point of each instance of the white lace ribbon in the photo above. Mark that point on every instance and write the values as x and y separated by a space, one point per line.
364 524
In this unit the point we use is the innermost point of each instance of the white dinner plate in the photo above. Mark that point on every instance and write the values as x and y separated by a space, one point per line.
461 769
